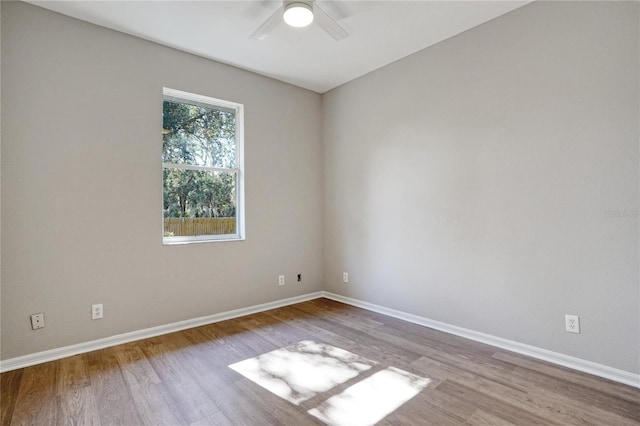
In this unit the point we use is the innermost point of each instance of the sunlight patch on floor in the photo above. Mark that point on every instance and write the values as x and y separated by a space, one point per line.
370 400
299 372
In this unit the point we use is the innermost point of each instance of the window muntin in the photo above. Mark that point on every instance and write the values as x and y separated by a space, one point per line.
202 168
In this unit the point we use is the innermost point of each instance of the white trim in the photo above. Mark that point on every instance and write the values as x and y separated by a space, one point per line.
240 221
578 364
118 339
179 96
199 168
169 241
175 95
574 363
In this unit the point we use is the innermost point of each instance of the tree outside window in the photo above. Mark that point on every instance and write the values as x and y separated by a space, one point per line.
201 156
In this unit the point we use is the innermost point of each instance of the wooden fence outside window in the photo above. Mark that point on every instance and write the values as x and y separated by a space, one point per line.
188 227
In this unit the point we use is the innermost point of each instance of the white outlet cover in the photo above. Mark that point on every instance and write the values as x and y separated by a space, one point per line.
37 321
281 280
572 324
97 311
345 277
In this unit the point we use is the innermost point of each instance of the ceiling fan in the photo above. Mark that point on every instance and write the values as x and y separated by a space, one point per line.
300 13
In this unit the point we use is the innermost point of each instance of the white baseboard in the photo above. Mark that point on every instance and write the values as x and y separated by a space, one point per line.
589 367
118 339
578 364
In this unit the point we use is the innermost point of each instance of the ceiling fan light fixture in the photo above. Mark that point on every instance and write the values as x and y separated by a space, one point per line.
298 14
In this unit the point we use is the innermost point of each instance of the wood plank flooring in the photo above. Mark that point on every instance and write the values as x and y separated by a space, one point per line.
183 378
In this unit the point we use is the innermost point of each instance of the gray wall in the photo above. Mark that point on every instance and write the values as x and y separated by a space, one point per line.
0 174
468 183
82 186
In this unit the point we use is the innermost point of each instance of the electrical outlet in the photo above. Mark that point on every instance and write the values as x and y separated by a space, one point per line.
299 277
572 323
37 321
281 280
345 277
96 311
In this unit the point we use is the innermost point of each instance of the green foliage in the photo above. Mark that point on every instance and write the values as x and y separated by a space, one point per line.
198 136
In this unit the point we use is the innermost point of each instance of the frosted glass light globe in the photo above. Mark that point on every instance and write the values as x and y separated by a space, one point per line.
298 15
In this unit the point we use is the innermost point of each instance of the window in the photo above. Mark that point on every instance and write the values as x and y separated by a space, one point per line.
202 168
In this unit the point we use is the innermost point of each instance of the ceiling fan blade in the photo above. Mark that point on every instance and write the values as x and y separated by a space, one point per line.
328 24
269 25
257 8
335 8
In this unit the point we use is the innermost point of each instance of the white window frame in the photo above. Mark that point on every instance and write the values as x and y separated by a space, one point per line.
179 95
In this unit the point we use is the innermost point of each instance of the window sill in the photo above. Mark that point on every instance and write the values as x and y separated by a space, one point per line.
175 241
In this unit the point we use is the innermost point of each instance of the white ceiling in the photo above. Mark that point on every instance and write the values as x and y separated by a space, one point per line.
381 32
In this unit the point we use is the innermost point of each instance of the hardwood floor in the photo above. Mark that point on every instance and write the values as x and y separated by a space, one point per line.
183 378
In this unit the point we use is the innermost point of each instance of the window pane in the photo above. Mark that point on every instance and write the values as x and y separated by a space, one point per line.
199 203
198 135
